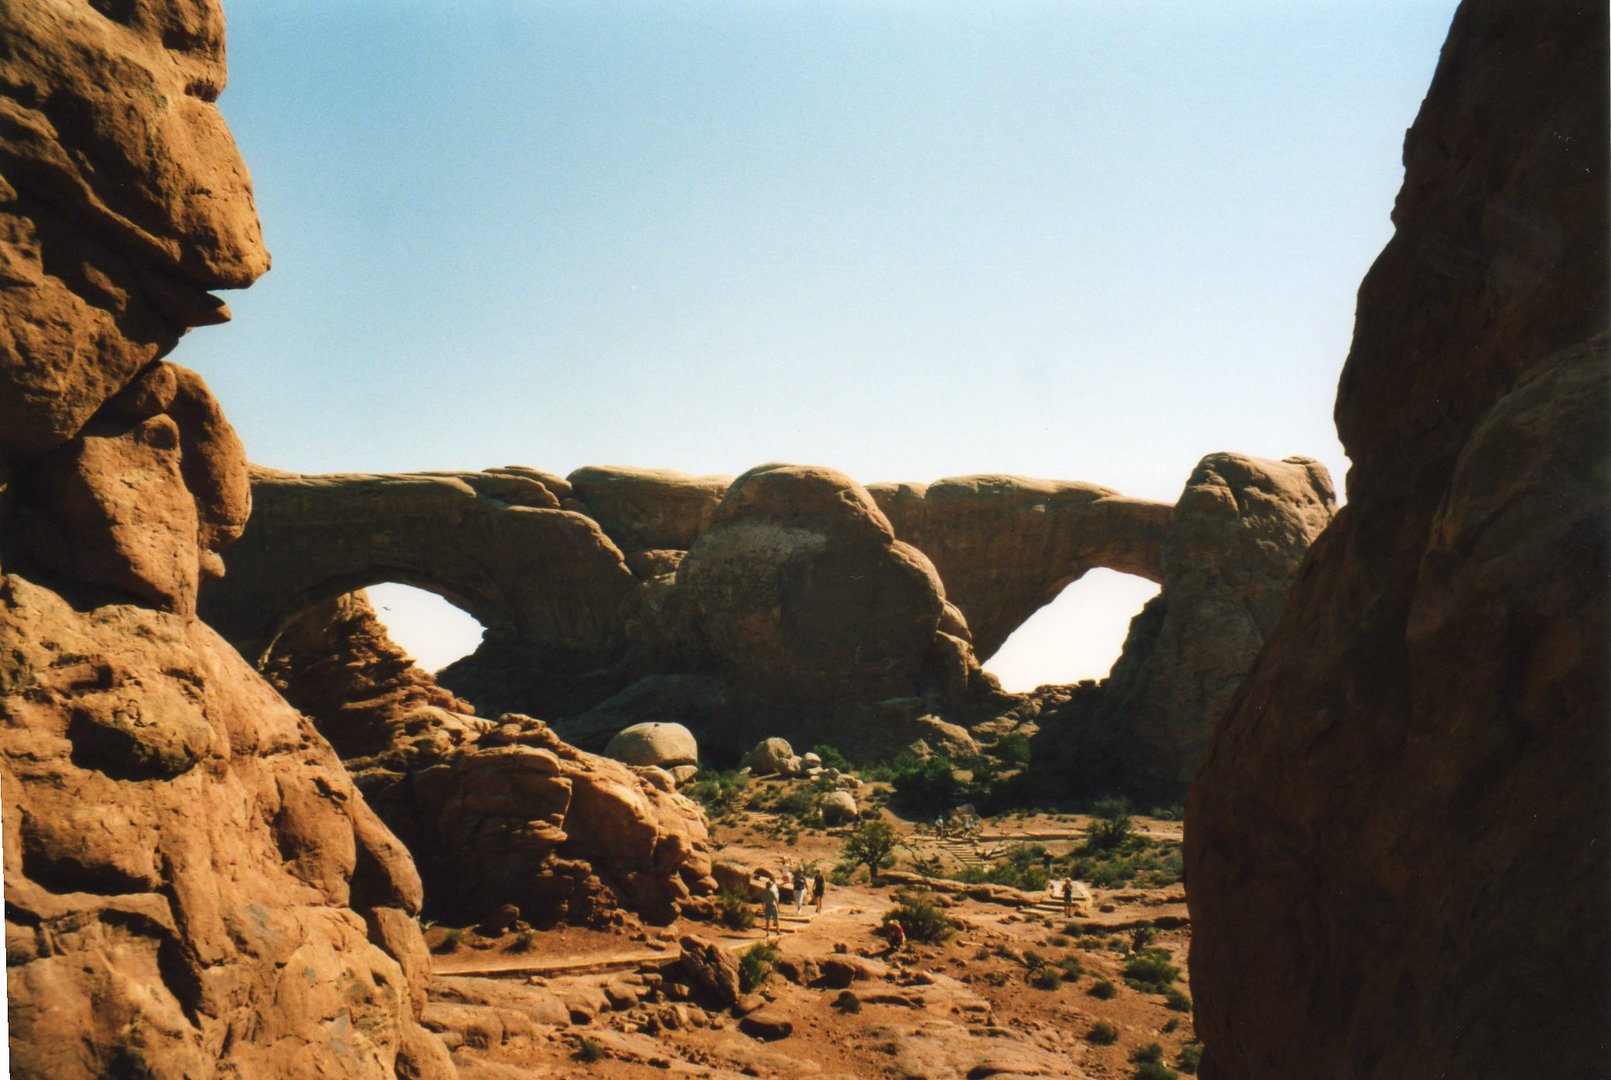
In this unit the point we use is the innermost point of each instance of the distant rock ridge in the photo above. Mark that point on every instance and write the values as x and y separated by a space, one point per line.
194 888
1396 845
800 604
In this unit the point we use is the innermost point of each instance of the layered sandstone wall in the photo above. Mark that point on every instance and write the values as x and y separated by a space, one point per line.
1396 845
193 886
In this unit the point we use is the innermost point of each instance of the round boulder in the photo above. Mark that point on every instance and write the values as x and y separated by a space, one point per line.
665 745
772 756
838 808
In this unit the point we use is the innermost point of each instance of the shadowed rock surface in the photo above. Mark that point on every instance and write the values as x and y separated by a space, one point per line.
1396 843
193 885
494 812
1233 545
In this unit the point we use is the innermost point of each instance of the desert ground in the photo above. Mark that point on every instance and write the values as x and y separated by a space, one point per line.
1016 987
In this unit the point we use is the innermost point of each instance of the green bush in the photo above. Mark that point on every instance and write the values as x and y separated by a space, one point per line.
716 791
525 941
737 914
924 786
831 758
921 920
1110 824
1102 1034
1154 1070
1071 967
1020 867
754 965
1102 989
1013 750
797 803
870 846
1190 1057
847 1002
1143 1054
1176 1000
1141 937
588 1051
1151 971
1170 1025
1045 978
1032 959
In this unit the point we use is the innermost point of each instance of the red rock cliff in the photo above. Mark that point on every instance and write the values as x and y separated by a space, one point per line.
1396 845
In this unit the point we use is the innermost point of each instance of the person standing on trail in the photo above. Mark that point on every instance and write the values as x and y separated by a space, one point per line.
769 908
819 889
1068 898
1046 867
799 889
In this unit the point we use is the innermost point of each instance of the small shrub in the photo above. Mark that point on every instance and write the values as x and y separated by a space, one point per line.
797 803
1143 1054
847 1002
1033 960
1102 1034
737 914
1071 967
1176 1000
921 920
588 1052
924 786
842 874
1151 971
1045 978
870 845
754 965
525 941
1013 750
1102 989
1110 824
1170 1025
929 866
1190 1057
717 791
1058 941
1141 937
831 758
1154 1070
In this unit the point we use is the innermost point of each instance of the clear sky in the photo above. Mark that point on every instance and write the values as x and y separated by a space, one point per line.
1081 240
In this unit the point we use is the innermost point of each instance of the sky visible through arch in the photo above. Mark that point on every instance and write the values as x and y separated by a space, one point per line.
1077 240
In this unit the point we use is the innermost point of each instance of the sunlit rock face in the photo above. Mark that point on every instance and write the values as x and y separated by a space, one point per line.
1396 845
494 812
193 886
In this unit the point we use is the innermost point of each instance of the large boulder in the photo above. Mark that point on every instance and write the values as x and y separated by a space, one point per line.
193 886
1395 844
665 745
772 755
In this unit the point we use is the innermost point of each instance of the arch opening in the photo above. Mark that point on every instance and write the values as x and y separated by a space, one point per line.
1078 635
429 627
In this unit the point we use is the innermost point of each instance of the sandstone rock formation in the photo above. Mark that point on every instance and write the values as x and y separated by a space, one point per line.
193 886
1396 843
494 812
1232 549
1005 546
665 745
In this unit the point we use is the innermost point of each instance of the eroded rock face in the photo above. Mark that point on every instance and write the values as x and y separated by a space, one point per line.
1005 546
494 812
193 886
1403 811
1233 547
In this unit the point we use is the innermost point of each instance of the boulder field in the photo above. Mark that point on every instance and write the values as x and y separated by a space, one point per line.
193 885
793 601
1396 845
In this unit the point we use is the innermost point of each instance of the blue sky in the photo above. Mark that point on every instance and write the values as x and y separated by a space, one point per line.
1083 240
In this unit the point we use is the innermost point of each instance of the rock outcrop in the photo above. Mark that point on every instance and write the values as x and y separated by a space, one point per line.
1006 546
495 813
193 885
1234 542
1396 844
